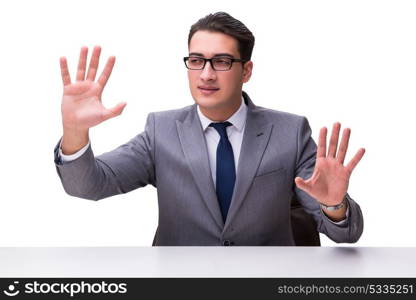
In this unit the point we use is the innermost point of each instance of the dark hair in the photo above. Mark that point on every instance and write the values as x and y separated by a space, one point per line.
223 22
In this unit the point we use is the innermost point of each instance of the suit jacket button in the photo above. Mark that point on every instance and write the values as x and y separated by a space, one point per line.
226 243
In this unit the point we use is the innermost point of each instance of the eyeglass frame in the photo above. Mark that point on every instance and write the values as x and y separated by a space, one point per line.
211 63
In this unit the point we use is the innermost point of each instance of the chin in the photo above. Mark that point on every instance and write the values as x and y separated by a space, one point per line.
208 103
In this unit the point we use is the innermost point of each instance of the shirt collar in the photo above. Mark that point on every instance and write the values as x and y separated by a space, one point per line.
238 119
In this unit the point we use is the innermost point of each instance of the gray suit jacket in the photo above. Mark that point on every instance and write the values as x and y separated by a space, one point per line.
171 154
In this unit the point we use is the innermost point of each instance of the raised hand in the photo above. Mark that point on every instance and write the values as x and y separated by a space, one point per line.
329 181
81 102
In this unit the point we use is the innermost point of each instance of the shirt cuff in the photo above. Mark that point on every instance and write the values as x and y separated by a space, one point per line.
68 158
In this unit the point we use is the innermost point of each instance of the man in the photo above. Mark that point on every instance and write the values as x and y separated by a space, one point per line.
226 171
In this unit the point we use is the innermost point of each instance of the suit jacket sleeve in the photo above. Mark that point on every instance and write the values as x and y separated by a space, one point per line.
127 167
351 230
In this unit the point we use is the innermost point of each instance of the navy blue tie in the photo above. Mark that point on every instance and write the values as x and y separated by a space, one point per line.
225 168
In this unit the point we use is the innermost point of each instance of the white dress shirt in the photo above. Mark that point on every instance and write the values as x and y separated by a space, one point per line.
234 132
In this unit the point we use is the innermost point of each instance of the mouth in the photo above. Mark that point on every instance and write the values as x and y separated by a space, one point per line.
207 90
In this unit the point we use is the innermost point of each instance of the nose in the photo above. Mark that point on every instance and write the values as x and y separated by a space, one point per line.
208 73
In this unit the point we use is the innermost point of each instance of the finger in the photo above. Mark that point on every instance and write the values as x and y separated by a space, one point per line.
107 71
321 152
114 112
66 78
333 142
95 58
343 146
300 183
355 160
82 63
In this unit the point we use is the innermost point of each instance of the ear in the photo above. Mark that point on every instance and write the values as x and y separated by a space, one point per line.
247 69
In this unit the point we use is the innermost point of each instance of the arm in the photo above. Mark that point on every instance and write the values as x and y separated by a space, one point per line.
127 167
81 102
327 183
121 170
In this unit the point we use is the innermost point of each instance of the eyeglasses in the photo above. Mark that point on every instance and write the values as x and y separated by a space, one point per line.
217 63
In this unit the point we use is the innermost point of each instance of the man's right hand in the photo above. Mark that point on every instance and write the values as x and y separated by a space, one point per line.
81 102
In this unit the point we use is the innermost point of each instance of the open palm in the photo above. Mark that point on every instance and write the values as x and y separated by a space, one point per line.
329 181
81 102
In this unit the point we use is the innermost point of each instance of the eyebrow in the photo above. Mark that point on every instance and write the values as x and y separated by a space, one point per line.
216 55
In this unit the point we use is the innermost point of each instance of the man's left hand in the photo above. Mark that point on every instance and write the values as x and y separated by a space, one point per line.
329 181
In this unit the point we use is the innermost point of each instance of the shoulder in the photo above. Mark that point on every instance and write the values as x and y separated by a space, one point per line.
172 115
276 117
281 118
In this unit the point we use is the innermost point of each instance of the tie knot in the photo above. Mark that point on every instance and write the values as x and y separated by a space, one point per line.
221 128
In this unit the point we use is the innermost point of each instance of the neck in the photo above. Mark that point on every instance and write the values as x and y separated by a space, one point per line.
220 114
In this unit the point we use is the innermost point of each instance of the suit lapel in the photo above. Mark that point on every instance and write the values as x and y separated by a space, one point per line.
194 146
255 139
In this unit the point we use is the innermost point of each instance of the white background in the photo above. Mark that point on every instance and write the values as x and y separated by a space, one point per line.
347 61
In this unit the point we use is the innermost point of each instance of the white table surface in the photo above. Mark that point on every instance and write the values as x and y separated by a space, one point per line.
207 262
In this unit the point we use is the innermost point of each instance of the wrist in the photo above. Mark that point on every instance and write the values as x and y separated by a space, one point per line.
336 212
336 207
74 140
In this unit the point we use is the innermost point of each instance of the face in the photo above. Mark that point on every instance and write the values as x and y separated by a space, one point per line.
217 91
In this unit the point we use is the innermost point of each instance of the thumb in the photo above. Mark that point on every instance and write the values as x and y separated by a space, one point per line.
114 111
300 183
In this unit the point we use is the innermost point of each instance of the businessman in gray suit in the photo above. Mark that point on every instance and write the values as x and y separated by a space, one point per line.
226 170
